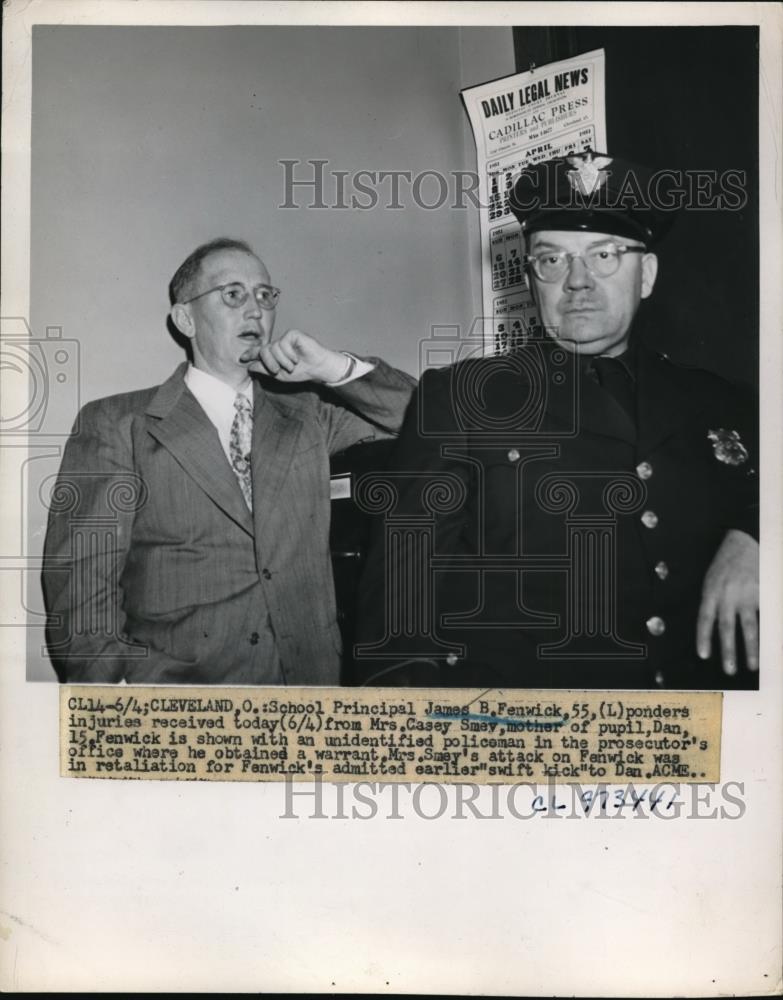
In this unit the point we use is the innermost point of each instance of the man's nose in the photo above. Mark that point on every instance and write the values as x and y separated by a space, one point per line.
578 274
252 309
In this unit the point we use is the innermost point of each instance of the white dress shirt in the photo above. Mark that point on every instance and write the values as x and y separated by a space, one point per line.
358 369
217 399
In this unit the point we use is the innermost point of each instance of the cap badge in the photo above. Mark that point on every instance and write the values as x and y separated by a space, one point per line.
588 174
727 446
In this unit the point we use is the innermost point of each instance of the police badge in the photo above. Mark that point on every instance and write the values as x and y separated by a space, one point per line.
727 446
588 174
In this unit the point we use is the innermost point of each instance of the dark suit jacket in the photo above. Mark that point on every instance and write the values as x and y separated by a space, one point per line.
570 545
155 570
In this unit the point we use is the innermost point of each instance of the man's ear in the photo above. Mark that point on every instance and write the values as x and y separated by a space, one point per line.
183 321
649 273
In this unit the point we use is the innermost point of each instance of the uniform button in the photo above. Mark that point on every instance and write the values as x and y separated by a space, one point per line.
661 570
452 659
655 625
649 519
266 574
644 470
513 455
659 678
254 639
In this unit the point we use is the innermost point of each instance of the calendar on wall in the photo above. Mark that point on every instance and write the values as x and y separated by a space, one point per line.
549 111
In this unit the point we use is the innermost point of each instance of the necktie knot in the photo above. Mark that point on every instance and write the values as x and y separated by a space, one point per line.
608 368
242 403
613 376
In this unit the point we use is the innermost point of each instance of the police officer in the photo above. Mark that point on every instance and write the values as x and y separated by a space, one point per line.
582 512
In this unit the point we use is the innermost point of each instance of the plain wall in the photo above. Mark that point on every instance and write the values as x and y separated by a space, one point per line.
147 141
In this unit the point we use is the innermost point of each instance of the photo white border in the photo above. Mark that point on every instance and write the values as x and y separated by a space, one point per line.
151 886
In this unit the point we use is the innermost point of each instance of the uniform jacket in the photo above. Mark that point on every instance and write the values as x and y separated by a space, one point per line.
155 570
570 543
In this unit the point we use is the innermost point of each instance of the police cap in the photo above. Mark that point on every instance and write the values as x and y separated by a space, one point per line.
592 192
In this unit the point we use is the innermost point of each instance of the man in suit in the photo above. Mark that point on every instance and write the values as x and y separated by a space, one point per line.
581 512
188 532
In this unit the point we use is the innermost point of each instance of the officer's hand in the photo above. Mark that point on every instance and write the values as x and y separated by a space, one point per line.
731 588
297 357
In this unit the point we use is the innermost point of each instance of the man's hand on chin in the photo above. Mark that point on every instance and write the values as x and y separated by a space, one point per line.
297 357
731 590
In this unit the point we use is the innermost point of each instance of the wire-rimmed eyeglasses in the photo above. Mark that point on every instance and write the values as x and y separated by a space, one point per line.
235 295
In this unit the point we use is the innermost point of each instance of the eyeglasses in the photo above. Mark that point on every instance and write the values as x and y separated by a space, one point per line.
235 295
602 261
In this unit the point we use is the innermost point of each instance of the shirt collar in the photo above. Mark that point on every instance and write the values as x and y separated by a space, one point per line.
204 383
627 359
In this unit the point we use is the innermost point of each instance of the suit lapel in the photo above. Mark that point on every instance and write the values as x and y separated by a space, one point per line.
182 427
276 431
663 403
603 414
575 399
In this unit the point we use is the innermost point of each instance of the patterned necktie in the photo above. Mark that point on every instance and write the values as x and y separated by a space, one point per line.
240 444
